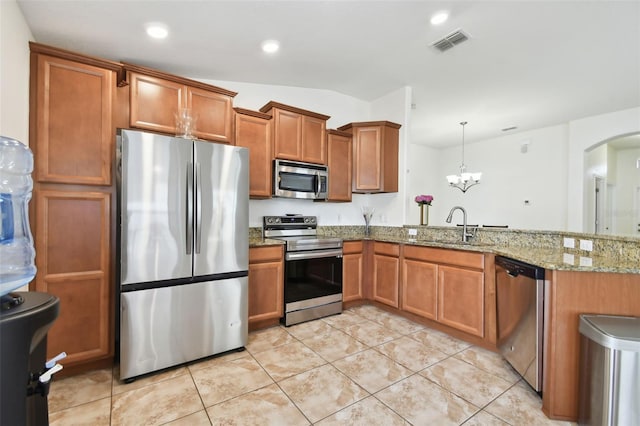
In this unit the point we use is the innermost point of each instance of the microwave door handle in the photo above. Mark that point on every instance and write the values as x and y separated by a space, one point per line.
317 184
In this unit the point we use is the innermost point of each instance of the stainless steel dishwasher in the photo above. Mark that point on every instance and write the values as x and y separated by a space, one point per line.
520 310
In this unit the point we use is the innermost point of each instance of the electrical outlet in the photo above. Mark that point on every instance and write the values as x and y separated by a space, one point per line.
586 261
567 258
569 243
413 232
586 245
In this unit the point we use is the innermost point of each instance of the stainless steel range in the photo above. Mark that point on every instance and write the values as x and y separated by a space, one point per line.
313 268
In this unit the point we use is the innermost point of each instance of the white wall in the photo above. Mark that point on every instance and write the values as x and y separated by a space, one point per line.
14 72
422 173
583 134
510 177
626 212
596 165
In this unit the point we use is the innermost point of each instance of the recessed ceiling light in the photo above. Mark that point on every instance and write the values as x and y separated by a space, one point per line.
270 46
439 18
158 31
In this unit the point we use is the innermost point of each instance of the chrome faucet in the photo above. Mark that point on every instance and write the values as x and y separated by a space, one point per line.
465 235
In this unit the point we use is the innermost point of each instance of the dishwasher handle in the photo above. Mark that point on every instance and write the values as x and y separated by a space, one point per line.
515 268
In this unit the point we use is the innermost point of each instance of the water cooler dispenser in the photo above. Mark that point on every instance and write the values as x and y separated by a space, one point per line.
25 317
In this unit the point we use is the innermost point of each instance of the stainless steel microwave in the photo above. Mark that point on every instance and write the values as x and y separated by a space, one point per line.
294 179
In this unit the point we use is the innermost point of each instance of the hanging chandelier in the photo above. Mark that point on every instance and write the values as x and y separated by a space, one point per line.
464 180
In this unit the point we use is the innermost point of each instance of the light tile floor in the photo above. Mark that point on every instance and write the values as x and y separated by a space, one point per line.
365 367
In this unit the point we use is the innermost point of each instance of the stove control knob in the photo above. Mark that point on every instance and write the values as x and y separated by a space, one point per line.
277 220
312 219
306 220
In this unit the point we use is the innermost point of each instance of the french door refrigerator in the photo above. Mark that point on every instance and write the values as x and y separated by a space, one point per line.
183 250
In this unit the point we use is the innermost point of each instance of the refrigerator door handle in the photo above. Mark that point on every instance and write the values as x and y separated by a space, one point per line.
198 207
189 208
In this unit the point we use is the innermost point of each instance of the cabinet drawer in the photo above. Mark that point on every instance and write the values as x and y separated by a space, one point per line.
445 256
265 254
388 249
349 247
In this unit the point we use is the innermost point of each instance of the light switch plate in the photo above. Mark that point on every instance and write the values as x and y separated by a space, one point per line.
569 243
586 245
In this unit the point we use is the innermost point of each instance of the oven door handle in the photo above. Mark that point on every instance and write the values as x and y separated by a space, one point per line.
314 254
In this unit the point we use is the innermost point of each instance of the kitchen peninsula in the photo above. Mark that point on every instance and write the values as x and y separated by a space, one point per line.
604 281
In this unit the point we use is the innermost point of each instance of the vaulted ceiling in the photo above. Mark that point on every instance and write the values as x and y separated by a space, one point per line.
527 64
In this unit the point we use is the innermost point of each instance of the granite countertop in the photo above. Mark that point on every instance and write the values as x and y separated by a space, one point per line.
255 241
548 256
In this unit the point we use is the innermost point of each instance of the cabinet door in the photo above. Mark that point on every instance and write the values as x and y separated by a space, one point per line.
266 291
385 279
367 149
314 142
154 103
266 283
419 288
74 132
73 247
287 134
461 299
213 112
339 161
255 133
352 270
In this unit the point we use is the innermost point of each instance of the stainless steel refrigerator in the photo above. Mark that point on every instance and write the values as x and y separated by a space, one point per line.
183 250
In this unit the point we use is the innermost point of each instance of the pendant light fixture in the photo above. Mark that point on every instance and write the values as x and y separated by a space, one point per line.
464 180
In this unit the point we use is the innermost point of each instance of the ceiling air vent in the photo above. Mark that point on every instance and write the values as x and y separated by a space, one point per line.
450 40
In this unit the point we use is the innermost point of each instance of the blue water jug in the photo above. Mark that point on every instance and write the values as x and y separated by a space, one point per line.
16 243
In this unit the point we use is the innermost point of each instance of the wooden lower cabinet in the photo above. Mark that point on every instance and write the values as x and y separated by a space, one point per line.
73 259
352 271
461 299
569 294
266 284
420 288
386 269
447 286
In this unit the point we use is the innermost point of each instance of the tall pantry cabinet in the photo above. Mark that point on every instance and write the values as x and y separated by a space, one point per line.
72 133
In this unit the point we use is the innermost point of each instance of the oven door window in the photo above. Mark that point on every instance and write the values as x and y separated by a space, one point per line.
310 278
298 182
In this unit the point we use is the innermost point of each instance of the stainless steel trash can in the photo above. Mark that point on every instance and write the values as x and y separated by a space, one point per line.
609 370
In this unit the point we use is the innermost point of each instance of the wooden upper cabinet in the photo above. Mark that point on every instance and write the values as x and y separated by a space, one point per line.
253 131
314 143
298 134
375 156
214 113
339 162
155 102
156 98
74 135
